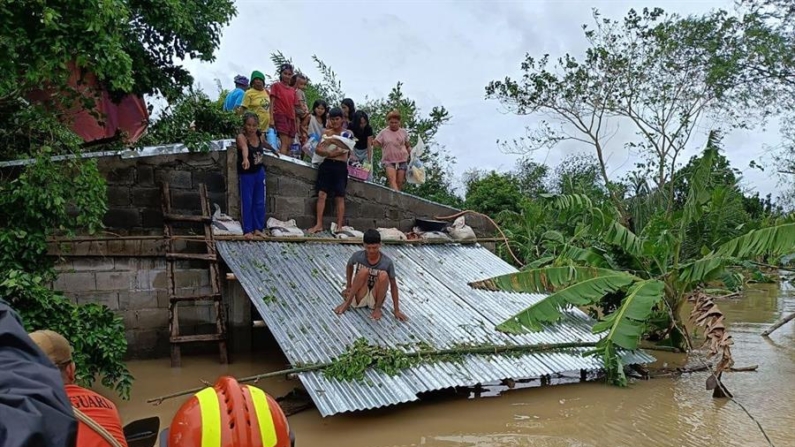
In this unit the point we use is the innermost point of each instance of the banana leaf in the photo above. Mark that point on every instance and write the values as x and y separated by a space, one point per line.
546 279
550 309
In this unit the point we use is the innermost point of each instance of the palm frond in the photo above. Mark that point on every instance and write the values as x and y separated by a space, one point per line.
547 279
778 240
550 309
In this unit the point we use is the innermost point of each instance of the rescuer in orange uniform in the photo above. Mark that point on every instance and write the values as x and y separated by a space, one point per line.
229 415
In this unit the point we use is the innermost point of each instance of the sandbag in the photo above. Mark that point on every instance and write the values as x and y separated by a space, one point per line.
345 232
430 235
460 231
392 234
280 228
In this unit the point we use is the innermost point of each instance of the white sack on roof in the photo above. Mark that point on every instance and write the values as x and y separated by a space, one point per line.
392 234
280 228
223 224
346 232
460 231
431 235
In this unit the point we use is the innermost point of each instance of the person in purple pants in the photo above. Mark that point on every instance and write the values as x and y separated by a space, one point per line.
251 172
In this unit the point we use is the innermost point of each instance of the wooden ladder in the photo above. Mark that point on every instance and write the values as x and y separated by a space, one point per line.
210 256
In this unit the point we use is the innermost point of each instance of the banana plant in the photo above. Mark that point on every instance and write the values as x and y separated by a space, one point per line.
650 275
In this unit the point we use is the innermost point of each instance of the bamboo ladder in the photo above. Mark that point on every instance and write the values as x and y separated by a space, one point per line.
210 257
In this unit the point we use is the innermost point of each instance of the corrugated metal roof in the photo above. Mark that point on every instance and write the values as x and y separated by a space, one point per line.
305 280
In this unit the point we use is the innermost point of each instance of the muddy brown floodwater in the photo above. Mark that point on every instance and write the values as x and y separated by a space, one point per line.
659 412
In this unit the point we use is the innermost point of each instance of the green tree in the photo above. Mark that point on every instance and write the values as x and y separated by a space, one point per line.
647 271
194 120
131 46
659 73
491 193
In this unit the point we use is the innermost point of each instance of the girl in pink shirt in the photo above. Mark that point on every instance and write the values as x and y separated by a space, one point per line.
394 142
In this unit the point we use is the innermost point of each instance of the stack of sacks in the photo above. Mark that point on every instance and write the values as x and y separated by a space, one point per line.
279 228
460 231
345 232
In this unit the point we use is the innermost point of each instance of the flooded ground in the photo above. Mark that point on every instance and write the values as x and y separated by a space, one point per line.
658 412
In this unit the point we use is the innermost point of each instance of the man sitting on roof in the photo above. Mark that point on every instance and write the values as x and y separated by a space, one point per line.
368 275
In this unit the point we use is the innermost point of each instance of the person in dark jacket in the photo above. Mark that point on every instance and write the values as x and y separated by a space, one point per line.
34 409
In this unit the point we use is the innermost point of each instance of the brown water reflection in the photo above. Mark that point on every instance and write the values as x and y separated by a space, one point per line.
659 412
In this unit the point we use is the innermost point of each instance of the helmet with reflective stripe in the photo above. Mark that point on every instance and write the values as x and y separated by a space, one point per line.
227 415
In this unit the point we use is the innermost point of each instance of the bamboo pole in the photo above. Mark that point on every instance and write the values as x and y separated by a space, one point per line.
778 323
421 354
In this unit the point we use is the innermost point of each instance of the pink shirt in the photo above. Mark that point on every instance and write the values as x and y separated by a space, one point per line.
394 145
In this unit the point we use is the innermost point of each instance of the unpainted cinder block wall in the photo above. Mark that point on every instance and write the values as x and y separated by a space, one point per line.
136 290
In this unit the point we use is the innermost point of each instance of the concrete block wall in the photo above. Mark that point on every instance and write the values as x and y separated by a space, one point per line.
136 290
290 194
133 185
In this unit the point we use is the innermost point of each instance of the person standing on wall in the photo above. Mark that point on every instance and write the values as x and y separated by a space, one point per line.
332 174
396 149
363 150
298 82
251 172
235 98
257 100
283 110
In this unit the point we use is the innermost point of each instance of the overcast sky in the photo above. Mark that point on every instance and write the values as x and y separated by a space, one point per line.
445 53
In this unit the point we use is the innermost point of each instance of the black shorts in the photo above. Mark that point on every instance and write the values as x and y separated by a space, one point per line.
332 177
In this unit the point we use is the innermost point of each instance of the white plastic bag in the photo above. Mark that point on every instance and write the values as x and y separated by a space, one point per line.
415 173
460 231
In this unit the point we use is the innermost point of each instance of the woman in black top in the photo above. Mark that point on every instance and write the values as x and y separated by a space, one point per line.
251 171
363 150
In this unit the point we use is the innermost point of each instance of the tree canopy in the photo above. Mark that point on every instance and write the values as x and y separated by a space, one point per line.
131 46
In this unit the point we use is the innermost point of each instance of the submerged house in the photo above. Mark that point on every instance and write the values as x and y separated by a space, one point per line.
292 287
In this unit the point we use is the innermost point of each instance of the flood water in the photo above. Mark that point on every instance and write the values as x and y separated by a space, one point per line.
658 412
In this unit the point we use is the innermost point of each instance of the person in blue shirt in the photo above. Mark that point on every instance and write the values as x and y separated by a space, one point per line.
235 97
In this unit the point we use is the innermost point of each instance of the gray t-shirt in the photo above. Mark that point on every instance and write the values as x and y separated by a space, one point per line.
384 263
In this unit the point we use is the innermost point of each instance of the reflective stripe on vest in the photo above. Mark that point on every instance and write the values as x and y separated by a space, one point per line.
211 417
267 430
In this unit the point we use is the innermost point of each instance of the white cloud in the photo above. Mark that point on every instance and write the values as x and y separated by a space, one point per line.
445 53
